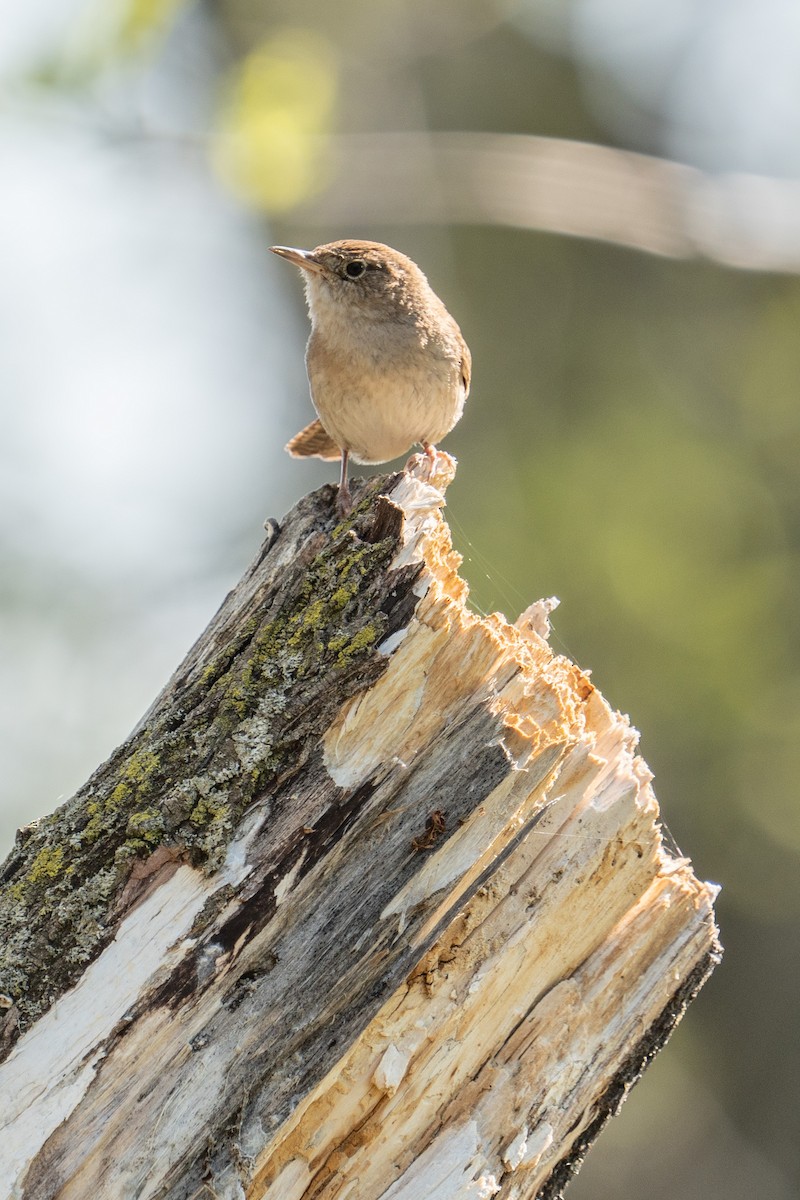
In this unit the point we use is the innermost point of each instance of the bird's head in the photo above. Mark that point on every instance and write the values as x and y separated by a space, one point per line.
365 277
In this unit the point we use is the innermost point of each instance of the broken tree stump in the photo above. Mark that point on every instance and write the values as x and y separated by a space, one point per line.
374 903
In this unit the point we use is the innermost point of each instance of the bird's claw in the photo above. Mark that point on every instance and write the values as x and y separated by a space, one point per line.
433 466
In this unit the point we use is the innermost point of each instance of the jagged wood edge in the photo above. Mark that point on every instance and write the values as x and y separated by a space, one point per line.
629 1074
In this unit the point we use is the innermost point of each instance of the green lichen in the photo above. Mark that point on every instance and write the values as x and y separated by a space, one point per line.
47 864
141 767
347 648
136 777
207 811
134 847
147 824
94 826
219 665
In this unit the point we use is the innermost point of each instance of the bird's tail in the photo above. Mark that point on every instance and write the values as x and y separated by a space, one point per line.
313 442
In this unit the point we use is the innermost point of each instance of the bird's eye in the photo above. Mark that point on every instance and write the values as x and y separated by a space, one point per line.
355 269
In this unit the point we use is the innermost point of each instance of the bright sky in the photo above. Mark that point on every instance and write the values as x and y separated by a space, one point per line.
722 77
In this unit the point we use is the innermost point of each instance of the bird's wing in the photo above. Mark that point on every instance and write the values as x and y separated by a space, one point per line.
313 442
466 369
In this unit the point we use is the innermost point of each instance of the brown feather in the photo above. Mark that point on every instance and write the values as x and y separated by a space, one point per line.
314 442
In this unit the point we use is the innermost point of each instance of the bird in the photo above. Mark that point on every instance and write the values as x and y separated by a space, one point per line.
387 365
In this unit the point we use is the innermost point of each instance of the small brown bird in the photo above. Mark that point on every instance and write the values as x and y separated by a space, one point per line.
386 362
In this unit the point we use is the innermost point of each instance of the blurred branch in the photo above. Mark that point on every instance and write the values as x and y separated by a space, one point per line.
553 185
560 186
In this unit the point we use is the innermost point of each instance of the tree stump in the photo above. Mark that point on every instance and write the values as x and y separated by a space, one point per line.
374 903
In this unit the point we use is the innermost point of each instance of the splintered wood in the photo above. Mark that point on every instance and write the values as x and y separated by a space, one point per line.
443 942
574 944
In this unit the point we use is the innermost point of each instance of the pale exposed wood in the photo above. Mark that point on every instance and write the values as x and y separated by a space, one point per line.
374 904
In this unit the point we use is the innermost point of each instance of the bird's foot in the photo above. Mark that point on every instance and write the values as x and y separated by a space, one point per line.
433 466
344 501
423 465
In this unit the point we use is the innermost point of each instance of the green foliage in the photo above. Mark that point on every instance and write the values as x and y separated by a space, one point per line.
276 112
648 452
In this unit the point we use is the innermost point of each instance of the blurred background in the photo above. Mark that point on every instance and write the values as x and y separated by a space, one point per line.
606 194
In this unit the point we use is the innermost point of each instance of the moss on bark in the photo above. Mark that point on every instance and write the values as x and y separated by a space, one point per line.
217 741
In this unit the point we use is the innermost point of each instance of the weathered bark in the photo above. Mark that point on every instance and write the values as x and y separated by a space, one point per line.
373 903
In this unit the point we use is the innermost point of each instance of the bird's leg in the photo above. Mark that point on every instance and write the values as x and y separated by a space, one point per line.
343 500
430 452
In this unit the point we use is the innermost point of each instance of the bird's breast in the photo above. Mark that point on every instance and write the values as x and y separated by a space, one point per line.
379 395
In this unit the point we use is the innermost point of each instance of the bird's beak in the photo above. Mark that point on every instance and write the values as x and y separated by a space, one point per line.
301 258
